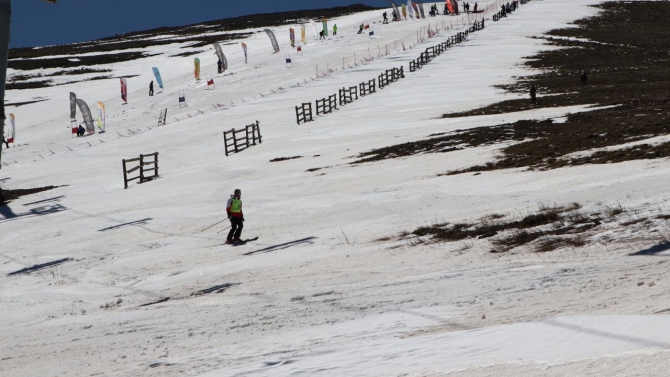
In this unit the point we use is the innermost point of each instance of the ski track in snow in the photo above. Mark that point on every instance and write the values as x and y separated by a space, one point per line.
316 295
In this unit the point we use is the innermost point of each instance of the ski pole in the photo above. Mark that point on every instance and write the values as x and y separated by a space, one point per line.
213 225
228 227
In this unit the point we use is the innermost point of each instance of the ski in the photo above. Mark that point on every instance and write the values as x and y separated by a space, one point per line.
243 242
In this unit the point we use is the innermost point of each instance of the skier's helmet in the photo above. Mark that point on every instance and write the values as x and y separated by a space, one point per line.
238 191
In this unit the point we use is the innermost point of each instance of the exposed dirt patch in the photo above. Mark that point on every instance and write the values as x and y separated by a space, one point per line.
8 195
548 229
629 71
284 158
187 54
75 61
19 104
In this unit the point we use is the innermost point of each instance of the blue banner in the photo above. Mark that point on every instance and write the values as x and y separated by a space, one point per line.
158 77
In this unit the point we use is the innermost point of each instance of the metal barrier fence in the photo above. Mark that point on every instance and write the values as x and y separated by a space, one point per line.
348 95
326 105
366 88
303 113
142 176
236 144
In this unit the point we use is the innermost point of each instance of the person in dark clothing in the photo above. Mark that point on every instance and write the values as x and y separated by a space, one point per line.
80 130
218 66
151 88
386 19
533 94
234 211
446 10
360 29
321 35
475 7
583 77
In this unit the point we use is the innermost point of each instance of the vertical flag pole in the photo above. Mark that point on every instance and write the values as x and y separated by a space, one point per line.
5 21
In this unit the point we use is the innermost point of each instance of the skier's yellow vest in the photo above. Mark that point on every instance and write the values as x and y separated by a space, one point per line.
235 205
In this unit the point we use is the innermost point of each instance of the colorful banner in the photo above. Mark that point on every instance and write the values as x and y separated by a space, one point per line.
316 33
12 129
292 36
124 91
221 56
196 61
325 27
423 15
395 8
88 119
450 6
73 105
101 117
404 11
410 8
416 10
244 48
303 33
273 39
157 73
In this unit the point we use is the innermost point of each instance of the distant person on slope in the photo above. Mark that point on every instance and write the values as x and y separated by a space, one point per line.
218 66
151 88
234 211
80 130
386 19
533 94
335 29
321 35
360 29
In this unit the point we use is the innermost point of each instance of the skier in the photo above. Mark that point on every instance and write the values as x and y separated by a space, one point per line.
218 65
335 29
386 19
151 88
234 211
80 130
475 7
321 35
360 29
583 78
533 91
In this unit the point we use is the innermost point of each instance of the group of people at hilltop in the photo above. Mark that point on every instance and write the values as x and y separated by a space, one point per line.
509 7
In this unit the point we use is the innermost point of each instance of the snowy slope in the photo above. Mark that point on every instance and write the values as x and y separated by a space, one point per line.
317 294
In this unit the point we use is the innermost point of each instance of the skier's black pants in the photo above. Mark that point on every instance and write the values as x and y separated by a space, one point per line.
236 226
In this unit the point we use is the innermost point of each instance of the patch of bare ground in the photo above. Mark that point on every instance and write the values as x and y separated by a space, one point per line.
8 195
628 71
187 54
278 159
547 229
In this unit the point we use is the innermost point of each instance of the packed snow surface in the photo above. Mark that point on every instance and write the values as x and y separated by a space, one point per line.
320 293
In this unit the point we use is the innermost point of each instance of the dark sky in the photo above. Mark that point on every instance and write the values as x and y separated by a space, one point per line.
37 23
